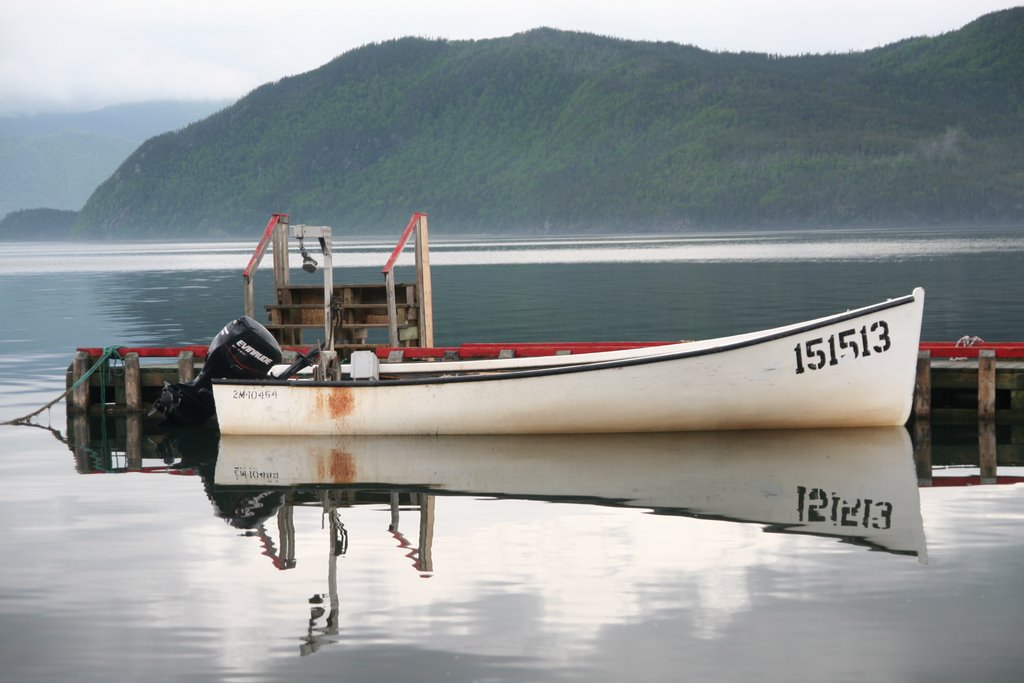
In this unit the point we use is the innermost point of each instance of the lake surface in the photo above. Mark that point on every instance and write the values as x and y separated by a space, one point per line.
800 556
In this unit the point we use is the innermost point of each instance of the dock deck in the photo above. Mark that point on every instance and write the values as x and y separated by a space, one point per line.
951 388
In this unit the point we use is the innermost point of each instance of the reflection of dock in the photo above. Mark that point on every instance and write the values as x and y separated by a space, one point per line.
251 508
238 510
982 445
126 443
132 443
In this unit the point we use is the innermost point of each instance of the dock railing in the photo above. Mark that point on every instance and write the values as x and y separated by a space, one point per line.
417 224
276 235
276 232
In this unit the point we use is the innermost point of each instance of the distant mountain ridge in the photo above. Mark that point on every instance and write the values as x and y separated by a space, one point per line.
136 121
558 131
57 160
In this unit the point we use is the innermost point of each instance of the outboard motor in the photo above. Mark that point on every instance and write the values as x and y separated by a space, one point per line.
244 349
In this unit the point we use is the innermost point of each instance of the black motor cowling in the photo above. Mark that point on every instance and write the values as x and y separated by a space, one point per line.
244 349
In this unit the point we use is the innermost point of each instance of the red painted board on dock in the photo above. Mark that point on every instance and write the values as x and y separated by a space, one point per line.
951 350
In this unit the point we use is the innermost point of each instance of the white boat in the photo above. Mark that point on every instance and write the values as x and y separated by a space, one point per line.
852 369
859 485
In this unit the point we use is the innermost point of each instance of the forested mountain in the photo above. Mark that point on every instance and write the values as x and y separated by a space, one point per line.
56 160
558 131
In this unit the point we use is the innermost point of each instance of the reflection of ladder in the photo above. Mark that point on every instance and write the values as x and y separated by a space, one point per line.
354 310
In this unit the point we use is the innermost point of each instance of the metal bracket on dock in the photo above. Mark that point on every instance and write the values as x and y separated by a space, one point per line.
323 234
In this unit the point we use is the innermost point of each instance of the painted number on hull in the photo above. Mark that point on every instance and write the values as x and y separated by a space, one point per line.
819 505
821 352
253 394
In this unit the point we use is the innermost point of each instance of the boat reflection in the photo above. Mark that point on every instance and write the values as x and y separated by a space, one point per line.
856 485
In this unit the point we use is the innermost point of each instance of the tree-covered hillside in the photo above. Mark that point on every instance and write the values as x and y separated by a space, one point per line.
552 130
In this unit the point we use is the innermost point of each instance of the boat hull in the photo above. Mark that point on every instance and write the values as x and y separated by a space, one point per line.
854 369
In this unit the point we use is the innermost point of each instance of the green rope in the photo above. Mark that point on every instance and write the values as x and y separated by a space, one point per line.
109 353
102 365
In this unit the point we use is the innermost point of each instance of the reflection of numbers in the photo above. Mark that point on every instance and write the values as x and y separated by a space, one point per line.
813 505
885 514
883 336
850 513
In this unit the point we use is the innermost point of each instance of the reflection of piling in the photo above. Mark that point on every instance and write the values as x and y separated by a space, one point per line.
987 453
422 557
79 432
133 441
426 532
286 529
923 451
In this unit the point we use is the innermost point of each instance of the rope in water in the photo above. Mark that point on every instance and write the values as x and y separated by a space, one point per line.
102 365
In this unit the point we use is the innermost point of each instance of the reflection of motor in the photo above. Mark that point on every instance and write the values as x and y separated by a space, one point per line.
244 349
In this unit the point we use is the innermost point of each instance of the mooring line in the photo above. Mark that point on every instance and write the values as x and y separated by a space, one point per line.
101 365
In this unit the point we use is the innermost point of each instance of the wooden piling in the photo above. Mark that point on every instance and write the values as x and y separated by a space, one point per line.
923 386
186 366
986 384
423 282
132 383
80 395
389 285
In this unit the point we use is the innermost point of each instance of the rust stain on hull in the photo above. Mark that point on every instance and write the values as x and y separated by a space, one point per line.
337 467
335 402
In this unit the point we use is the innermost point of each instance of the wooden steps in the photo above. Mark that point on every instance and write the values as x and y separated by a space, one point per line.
358 309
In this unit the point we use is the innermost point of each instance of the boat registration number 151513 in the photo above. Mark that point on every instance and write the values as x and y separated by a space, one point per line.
822 352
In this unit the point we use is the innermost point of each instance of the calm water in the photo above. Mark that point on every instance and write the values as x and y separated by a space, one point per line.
806 556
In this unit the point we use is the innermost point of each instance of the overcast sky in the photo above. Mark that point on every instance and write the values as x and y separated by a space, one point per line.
80 55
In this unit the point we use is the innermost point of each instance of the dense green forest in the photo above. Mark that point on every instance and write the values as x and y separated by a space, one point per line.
554 131
30 224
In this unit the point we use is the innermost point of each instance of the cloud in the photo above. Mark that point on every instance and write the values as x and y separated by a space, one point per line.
60 54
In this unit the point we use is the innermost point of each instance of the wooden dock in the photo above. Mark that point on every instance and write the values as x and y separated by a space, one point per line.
967 383
984 383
